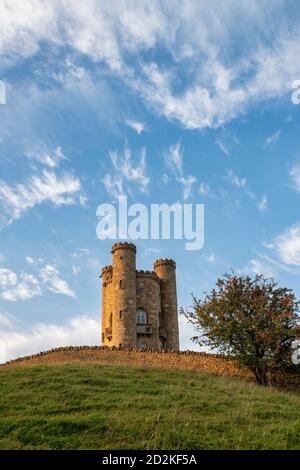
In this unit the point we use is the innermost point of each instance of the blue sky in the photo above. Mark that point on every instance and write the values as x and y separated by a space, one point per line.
194 96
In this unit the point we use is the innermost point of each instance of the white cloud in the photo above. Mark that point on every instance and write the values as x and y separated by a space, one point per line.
209 81
81 252
287 246
79 330
6 321
166 178
173 157
75 269
209 257
267 265
235 180
223 147
52 160
14 288
241 184
259 266
125 173
139 127
272 140
113 186
50 277
186 332
204 189
295 177
173 160
7 277
25 286
47 187
151 252
187 183
262 205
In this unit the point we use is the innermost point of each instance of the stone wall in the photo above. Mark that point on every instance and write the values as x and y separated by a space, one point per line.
152 358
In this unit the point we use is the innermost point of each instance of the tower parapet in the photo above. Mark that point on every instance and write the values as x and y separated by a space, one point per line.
123 246
147 274
164 262
106 274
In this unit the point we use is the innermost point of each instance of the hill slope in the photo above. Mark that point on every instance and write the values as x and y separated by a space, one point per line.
92 406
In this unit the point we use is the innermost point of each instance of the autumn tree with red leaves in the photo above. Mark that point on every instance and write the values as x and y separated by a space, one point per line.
250 319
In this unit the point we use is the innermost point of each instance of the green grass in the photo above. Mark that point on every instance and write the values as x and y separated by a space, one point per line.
88 406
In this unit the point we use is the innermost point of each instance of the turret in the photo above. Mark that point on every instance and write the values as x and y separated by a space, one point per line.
124 295
166 271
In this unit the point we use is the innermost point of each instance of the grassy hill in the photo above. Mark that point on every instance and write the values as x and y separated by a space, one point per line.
92 406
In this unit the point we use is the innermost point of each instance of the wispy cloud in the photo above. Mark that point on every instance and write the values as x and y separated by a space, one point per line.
269 266
223 147
139 127
187 183
223 82
14 287
236 180
209 257
285 255
49 275
39 188
50 159
260 266
204 189
76 269
173 157
262 204
126 173
295 177
241 184
272 140
174 160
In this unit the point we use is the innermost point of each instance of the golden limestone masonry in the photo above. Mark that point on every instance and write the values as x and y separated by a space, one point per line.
139 308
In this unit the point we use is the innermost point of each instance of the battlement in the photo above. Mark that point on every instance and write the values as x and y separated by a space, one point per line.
147 274
164 262
106 269
123 246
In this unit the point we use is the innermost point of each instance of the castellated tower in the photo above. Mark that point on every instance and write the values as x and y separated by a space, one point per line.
165 269
139 308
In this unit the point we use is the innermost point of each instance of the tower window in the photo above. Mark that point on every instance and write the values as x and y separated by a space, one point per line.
122 284
110 320
121 314
141 316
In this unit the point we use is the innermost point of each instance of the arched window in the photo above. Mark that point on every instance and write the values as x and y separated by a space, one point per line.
141 316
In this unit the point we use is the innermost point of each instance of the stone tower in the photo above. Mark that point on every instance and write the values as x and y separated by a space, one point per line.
139 308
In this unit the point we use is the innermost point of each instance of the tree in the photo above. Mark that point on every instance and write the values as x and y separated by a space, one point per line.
251 319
